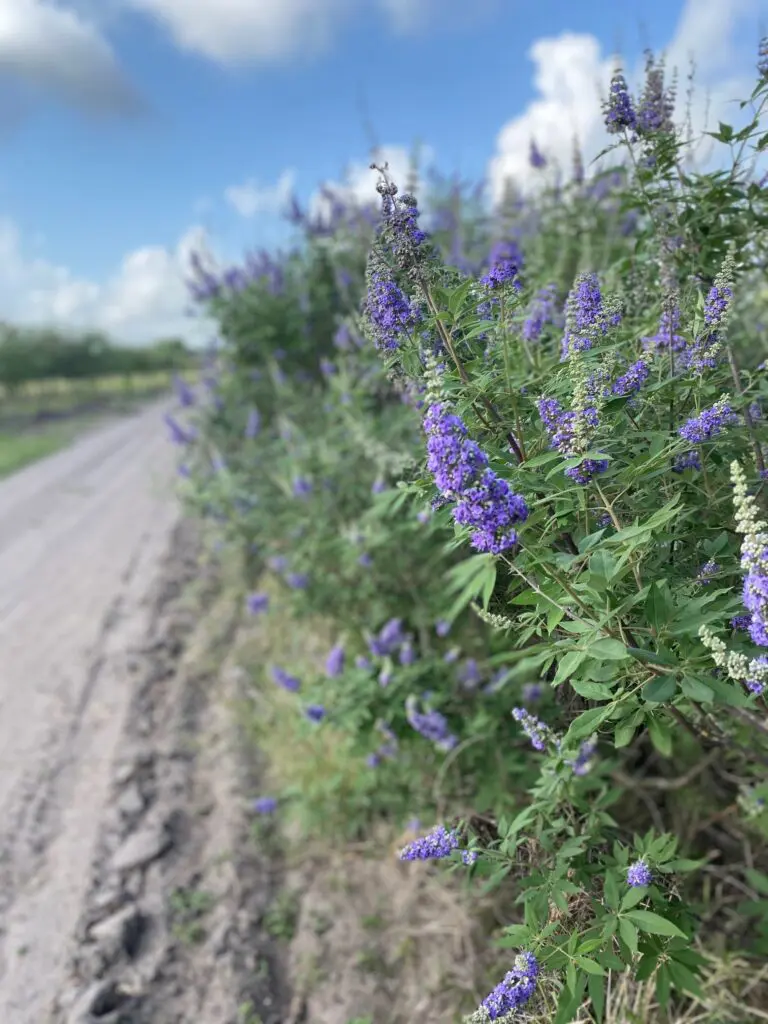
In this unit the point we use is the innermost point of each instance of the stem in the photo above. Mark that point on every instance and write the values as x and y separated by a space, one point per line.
617 524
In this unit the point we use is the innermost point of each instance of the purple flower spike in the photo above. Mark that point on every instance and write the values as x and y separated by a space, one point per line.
265 804
435 845
334 664
282 678
257 603
639 874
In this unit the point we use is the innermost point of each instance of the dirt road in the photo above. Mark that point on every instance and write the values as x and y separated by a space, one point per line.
82 535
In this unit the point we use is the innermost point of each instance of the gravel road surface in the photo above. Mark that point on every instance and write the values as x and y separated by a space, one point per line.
82 535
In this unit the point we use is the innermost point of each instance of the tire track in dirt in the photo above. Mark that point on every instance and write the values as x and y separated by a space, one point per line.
80 532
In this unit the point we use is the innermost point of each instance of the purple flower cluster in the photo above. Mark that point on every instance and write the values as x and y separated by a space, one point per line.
391 316
703 353
762 58
257 603
334 663
302 487
538 732
179 435
657 103
484 502
285 680
470 675
585 757
688 460
505 261
542 311
388 639
707 571
401 218
561 426
265 804
430 724
585 316
667 336
755 594
707 424
757 686
515 990
634 378
619 111
639 874
184 392
536 158
435 845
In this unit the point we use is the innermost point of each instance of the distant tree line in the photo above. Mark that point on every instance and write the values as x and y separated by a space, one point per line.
35 354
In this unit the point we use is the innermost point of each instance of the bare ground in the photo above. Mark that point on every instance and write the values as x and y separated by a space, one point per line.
123 896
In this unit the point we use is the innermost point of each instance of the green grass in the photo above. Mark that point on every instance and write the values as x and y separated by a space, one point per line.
19 450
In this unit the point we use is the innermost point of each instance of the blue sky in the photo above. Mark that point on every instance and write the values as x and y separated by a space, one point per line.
132 127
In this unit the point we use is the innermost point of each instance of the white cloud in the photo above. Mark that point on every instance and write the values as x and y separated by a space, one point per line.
252 198
46 47
143 300
244 30
572 74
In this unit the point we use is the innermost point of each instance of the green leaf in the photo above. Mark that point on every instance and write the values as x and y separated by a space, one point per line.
608 648
694 689
602 564
628 934
473 578
660 690
592 691
611 890
514 935
658 657
456 298
587 722
622 734
590 966
633 896
554 618
596 989
684 978
654 924
661 736
540 460
658 605
757 881
570 1000
570 975
568 665
663 983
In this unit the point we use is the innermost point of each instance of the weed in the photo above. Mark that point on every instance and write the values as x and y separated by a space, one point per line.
188 907
282 915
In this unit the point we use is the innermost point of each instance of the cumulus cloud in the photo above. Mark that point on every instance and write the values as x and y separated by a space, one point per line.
252 198
56 50
143 300
572 75
267 30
